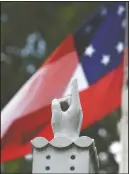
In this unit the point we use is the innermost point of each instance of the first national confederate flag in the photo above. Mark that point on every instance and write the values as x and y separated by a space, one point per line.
93 55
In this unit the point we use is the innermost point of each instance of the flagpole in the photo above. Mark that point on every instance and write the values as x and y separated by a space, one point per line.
123 167
2 167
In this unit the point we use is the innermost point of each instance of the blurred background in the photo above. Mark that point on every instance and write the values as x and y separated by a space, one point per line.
30 31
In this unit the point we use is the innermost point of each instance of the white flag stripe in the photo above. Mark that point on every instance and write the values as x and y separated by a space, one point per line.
7 114
81 79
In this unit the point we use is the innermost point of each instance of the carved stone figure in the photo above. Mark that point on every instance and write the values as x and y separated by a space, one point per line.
67 115
66 152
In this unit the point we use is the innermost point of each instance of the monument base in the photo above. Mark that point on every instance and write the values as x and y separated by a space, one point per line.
62 155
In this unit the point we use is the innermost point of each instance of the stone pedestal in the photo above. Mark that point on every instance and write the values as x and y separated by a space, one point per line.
62 155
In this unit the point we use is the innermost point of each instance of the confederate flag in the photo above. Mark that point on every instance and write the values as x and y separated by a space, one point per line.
93 55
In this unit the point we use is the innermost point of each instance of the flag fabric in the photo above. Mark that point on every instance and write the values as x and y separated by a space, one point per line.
94 55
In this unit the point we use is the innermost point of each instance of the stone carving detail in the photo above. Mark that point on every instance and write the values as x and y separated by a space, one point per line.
67 115
66 152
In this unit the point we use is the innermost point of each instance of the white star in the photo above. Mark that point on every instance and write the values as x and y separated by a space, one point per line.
105 59
123 24
89 51
120 47
120 10
104 11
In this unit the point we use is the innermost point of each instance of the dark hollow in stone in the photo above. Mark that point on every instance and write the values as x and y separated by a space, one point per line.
72 168
64 106
72 157
48 157
47 168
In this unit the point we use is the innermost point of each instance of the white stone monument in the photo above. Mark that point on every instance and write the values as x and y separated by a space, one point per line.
66 152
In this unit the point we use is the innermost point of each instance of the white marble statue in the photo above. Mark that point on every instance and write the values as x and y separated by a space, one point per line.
67 123
66 152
